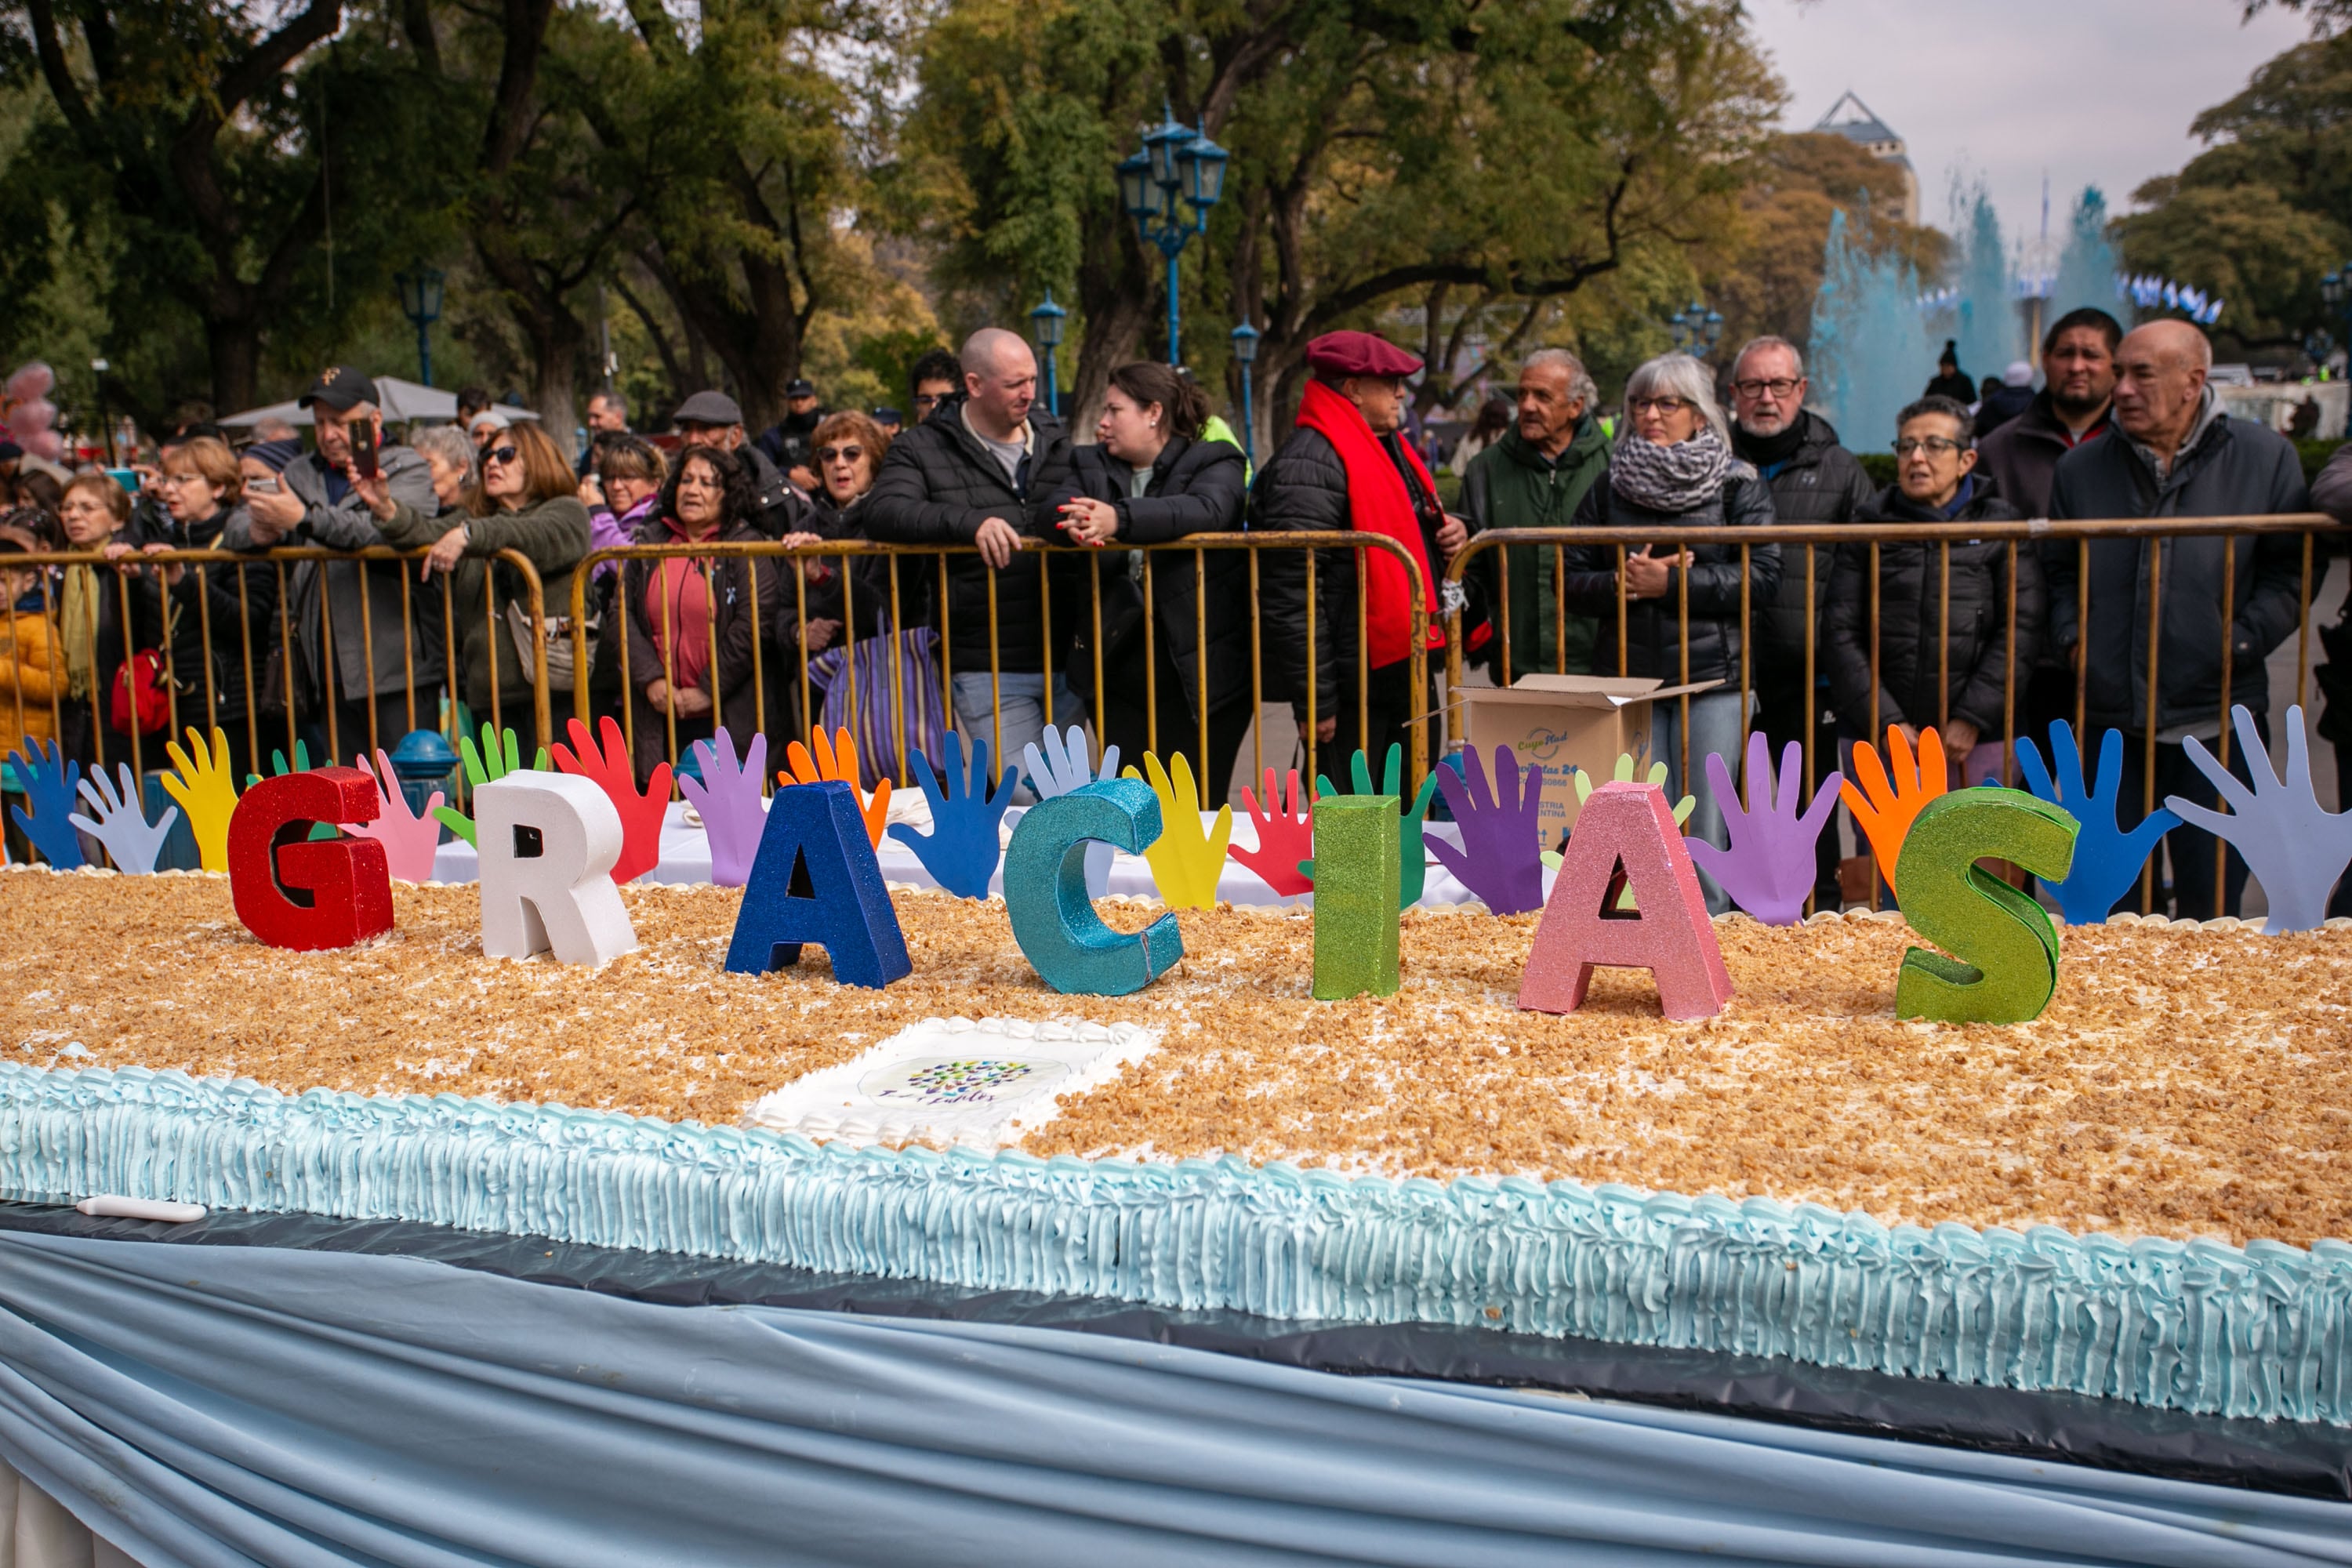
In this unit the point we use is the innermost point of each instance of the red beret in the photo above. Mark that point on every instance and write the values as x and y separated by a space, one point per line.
1357 353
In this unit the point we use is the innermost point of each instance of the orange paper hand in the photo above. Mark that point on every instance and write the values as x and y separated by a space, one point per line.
1884 809
836 759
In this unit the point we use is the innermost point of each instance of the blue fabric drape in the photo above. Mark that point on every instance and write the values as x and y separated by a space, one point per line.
203 1406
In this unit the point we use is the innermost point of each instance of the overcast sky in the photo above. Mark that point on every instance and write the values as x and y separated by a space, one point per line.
2096 92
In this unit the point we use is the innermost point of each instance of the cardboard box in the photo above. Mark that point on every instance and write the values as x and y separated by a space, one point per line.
1566 722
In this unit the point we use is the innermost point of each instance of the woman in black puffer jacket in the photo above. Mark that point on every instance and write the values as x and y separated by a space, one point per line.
1672 469
1153 480
1952 675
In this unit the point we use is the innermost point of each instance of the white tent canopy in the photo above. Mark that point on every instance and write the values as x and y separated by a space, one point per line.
403 402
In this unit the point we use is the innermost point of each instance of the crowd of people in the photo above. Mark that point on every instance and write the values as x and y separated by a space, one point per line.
690 641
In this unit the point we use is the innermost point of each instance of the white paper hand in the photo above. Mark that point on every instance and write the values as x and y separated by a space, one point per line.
120 825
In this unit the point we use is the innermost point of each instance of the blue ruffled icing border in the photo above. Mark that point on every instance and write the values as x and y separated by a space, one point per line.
2265 1331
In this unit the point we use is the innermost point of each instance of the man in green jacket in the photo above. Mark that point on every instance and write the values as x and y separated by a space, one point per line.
1533 478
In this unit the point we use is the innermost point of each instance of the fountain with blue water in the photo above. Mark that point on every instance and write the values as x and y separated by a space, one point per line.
1875 334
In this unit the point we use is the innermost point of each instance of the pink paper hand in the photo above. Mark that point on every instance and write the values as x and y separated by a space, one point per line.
609 770
408 839
1286 835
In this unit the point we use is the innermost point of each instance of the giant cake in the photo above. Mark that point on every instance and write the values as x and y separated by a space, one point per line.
2135 1195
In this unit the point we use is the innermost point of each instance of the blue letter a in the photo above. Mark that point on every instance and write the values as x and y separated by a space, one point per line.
816 880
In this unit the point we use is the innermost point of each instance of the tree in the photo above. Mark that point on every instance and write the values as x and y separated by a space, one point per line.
2259 215
213 140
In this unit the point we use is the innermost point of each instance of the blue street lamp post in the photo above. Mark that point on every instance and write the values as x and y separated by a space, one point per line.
1178 164
1245 355
1697 330
420 302
1047 320
2336 289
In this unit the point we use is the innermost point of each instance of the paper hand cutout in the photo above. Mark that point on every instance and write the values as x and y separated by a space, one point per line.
1885 810
483 767
2107 861
727 798
1060 768
120 822
1623 774
612 771
960 850
838 759
1412 866
1769 870
2295 849
409 839
50 784
277 768
1285 837
1185 860
1502 839
205 792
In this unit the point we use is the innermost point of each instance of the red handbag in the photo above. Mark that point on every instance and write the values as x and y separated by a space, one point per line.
141 698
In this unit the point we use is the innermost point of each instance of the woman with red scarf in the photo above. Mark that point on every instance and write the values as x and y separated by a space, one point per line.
1344 467
692 643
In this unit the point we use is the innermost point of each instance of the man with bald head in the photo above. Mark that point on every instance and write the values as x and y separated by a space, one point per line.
983 471
2175 452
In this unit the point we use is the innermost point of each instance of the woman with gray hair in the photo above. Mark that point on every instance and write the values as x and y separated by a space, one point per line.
1672 470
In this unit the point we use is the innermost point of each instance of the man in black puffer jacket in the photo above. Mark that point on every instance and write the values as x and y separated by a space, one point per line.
1813 480
1944 657
983 471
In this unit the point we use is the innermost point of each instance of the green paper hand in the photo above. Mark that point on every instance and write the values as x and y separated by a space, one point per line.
1412 867
1683 808
482 767
277 768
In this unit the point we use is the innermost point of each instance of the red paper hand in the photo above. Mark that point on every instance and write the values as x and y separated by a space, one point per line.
1286 835
641 814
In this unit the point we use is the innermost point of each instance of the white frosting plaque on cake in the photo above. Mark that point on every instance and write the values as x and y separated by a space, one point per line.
983 1083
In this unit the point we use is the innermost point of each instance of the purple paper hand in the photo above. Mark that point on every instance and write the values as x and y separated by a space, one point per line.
727 798
408 838
1769 870
1502 839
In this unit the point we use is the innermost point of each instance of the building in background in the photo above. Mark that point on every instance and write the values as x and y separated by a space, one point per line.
1850 118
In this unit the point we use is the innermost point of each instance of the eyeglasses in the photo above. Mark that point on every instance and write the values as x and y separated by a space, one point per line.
1779 387
1657 404
1934 445
927 401
501 455
839 454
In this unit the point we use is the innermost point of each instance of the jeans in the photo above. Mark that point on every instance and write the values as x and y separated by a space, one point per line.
1021 722
1713 727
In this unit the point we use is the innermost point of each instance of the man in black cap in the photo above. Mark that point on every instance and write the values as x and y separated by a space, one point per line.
715 419
1344 467
789 441
375 653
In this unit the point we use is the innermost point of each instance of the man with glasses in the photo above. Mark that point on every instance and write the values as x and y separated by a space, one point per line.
937 378
316 505
714 419
1944 648
1813 480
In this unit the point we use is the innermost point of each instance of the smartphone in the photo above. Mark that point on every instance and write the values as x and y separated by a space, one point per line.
127 478
257 485
363 450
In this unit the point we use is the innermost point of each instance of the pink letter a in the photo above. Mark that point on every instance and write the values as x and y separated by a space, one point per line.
1627 827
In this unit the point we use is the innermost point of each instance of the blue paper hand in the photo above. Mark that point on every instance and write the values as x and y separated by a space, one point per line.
50 782
1412 866
2294 849
2106 859
960 850
1769 870
726 795
1502 837
121 823
1060 768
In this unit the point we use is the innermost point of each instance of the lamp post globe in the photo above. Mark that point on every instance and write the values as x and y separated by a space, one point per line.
420 302
1046 319
1178 165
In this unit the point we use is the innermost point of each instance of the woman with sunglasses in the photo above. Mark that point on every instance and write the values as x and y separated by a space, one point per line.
847 449
527 501
1672 469
693 639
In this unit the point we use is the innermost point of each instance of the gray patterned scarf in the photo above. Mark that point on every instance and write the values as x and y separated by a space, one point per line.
1675 478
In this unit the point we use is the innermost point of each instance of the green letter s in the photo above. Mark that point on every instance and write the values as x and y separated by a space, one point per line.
2007 950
